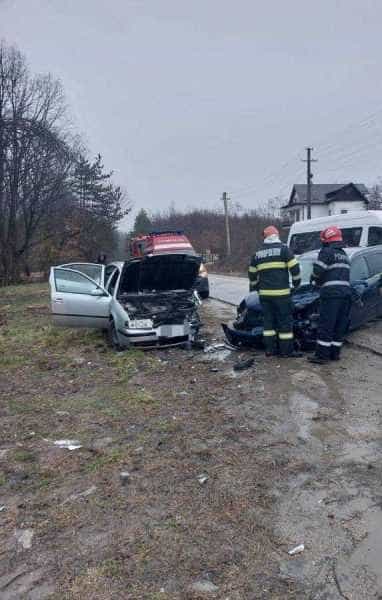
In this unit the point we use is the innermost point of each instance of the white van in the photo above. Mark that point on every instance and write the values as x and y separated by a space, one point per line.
359 228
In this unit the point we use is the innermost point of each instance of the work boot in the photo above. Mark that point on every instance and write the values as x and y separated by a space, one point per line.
318 360
335 354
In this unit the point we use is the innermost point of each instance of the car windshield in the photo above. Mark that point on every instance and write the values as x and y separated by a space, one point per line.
310 240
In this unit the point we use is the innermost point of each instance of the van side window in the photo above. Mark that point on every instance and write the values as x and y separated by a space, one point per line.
351 236
375 263
359 269
375 236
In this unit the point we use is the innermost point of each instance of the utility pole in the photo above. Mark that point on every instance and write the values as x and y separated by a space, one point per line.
227 229
309 177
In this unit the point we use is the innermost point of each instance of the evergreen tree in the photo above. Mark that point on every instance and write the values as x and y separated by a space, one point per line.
142 223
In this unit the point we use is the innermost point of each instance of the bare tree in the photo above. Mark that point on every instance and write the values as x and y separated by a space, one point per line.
35 158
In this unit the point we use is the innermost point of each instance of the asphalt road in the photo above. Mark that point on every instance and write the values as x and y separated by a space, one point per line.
227 288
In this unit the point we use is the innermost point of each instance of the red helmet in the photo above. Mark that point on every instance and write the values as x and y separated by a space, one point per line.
331 234
271 230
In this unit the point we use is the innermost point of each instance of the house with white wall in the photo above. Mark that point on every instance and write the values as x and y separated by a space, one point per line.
326 199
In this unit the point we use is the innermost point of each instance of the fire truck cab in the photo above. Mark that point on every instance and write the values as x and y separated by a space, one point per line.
169 242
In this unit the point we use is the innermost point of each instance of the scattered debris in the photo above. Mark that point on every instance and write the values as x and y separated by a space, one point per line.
24 537
203 478
69 444
296 550
62 413
214 370
244 364
84 494
203 587
138 450
2 508
184 393
124 477
3 453
215 347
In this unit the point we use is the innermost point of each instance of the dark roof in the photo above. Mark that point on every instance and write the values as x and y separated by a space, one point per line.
320 191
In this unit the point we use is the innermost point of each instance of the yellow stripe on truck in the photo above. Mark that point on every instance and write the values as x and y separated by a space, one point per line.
284 292
252 269
269 332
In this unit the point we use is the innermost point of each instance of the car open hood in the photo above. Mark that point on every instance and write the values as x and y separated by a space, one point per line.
160 273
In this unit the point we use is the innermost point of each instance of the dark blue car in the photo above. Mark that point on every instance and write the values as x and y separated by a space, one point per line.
366 283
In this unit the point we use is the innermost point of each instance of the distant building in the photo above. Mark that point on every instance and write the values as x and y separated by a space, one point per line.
327 199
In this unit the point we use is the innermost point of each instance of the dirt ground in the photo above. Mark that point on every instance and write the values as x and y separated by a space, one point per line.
192 480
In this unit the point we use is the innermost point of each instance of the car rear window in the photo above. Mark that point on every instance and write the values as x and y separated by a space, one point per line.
375 263
310 240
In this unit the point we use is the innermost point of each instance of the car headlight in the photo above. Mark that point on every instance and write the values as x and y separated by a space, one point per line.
139 324
203 271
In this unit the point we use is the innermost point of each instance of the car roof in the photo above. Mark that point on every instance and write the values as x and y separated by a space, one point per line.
351 252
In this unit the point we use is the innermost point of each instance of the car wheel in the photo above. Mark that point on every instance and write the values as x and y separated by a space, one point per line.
112 337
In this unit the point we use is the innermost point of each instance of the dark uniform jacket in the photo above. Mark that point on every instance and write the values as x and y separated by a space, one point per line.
269 270
331 271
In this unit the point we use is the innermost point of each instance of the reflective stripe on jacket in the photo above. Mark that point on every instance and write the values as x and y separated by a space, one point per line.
331 270
269 270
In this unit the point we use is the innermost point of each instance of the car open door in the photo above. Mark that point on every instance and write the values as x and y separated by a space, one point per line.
93 270
78 300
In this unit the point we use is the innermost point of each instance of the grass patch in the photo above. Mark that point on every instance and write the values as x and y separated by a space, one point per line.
116 456
23 456
3 479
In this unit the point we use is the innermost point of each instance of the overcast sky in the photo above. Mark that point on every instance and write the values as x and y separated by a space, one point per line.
186 99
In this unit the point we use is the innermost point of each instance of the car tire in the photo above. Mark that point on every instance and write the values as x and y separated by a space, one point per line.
204 295
112 337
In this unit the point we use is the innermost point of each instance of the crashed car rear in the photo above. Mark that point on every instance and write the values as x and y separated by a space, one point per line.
366 285
145 302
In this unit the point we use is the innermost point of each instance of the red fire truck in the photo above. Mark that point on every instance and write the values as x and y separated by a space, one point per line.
168 242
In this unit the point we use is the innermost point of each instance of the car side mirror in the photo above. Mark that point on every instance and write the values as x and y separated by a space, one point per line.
97 292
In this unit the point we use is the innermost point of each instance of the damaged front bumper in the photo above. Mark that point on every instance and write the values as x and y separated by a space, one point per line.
163 336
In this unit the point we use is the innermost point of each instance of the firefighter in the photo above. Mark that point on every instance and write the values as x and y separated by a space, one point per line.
269 275
331 273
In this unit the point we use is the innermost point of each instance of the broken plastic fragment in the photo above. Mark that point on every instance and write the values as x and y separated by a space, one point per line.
215 347
124 477
297 550
203 478
244 364
69 444
25 537
84 494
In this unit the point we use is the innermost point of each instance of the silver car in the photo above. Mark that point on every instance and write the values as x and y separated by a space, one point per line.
144 302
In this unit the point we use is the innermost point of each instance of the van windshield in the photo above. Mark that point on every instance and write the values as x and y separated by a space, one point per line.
310 240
